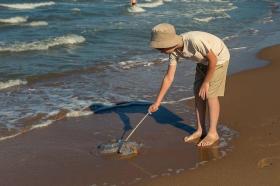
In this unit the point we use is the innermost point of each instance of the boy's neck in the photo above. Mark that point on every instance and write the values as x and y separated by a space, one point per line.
181 45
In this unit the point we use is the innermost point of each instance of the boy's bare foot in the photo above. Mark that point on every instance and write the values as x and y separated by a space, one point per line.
208 140
193 136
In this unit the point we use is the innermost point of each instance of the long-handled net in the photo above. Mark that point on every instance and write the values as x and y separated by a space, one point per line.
123 147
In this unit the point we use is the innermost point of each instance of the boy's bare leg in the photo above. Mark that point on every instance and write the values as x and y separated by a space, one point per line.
214 110
200 109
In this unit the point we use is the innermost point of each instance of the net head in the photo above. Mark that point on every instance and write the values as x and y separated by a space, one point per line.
122 148
129 148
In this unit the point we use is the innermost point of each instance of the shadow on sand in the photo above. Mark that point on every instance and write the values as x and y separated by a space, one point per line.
162 116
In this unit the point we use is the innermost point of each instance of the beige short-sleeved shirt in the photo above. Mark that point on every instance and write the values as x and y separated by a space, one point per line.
197 44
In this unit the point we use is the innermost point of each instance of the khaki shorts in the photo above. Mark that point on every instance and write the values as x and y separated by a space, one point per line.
217 83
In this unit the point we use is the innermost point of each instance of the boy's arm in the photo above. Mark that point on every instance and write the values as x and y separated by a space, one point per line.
212 61
166 83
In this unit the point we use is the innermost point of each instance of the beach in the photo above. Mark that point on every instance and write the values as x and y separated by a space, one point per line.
77 75
65 153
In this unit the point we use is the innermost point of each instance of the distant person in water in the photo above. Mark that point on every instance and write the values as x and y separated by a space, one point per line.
133 3
212 58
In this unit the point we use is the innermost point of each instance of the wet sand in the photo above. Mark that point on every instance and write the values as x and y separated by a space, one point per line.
65 153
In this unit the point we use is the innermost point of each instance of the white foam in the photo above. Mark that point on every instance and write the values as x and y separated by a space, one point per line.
225 9
8 137
253 31
38 23
151 5
78 113
229 37
132 64
206 19
44 44
43 124
191 1
14 20
23 6
135 9
76 9
11 83
238 48
267 20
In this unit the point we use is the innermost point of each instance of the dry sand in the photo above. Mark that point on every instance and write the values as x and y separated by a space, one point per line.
64 154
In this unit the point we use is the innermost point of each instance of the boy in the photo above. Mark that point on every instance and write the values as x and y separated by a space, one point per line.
212 58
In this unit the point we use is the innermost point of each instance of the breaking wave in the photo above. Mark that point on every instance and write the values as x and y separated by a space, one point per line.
23 6
44 44
151 5
14 20
11 83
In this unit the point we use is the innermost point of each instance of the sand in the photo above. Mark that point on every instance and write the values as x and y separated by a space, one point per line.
65 153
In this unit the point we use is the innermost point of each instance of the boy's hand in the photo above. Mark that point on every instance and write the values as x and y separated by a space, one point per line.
153 108
203 91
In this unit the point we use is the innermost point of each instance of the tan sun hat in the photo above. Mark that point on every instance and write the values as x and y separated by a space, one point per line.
164 36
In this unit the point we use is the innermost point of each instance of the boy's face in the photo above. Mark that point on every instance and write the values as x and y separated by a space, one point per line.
167 50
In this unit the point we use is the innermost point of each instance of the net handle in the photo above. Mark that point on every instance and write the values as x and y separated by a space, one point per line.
137 126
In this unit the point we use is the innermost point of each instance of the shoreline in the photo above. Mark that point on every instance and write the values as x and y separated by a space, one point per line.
56 153
255 159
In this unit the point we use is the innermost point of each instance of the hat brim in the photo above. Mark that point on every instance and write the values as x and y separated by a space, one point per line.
166 43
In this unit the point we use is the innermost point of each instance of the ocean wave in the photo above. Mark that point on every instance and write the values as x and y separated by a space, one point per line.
43 45
230 37
123 65
14 20
11 83
131 64
267 20
76 9
225 9
40 125
151 5
23 6
37 23
208 19
195 1
253 31
10 136
44 120
43 124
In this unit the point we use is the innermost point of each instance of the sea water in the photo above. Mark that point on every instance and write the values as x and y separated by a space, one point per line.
59 57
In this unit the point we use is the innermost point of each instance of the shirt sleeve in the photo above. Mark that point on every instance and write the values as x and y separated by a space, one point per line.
173 58
202 47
